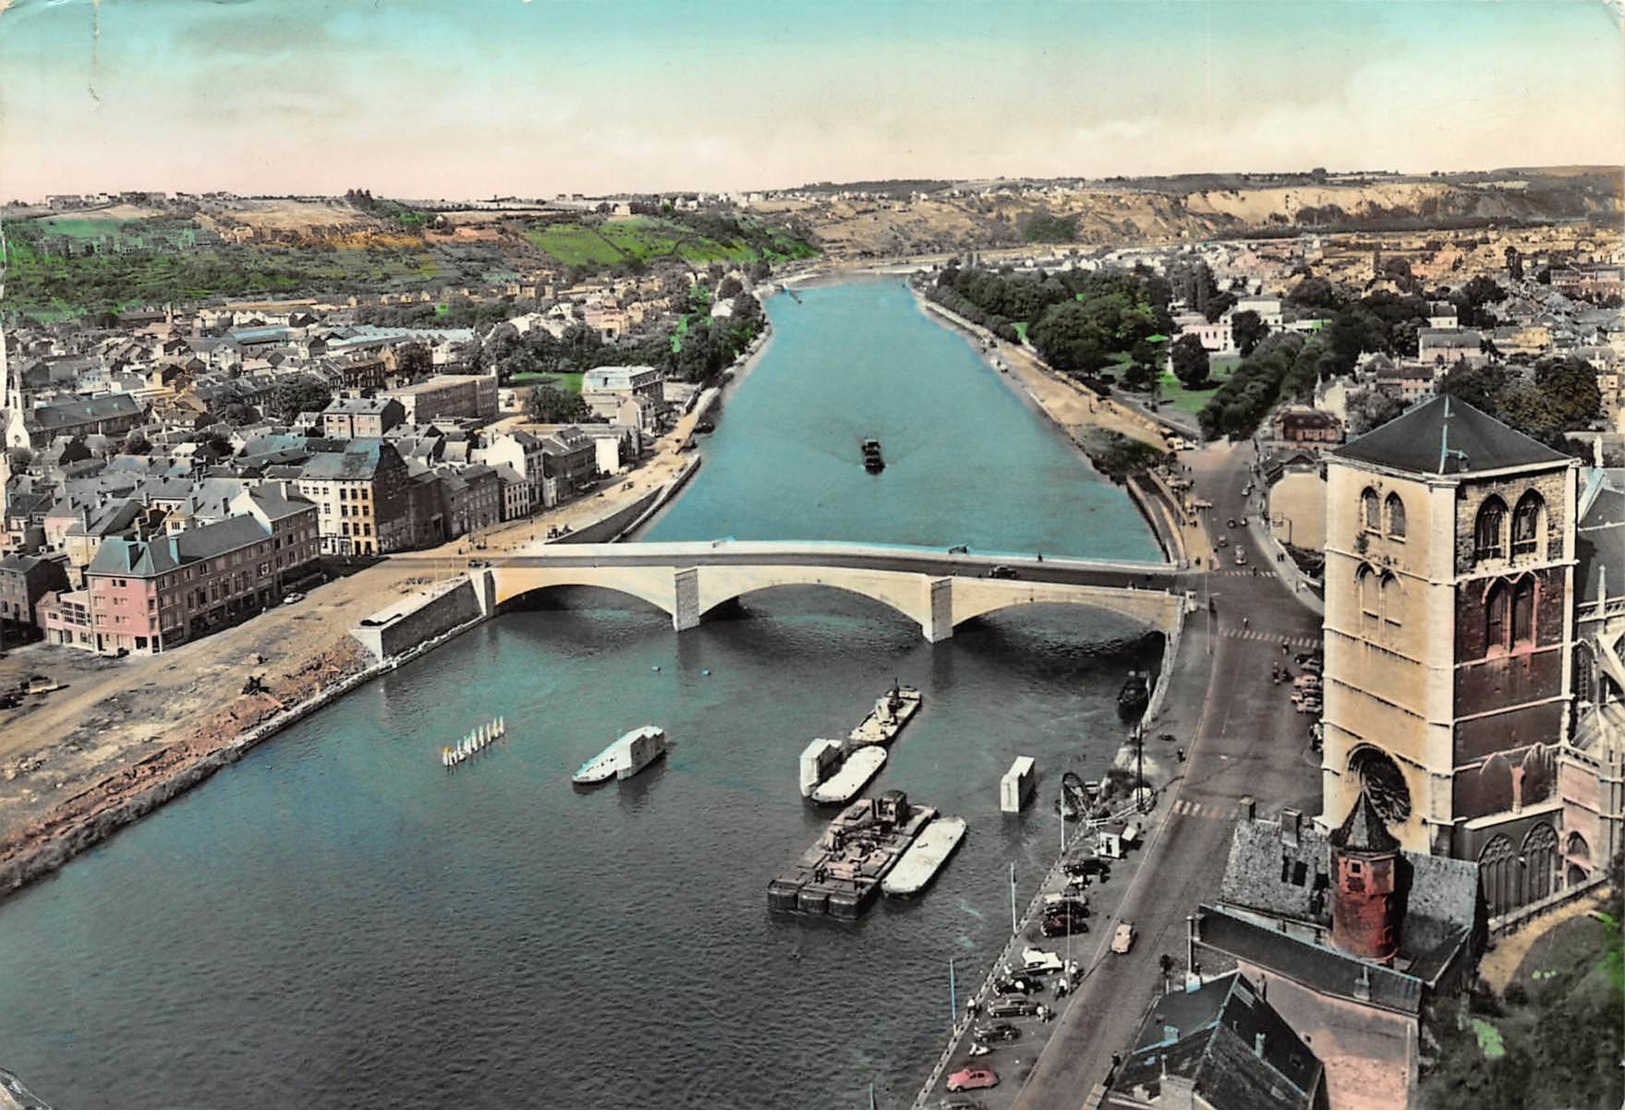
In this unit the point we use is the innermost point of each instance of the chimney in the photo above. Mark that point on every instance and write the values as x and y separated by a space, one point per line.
1249 809
1291 826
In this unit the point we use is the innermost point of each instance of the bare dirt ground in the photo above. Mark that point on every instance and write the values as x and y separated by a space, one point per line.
124 722
1500 964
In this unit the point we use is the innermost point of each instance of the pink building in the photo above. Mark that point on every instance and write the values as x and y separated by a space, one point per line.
145 596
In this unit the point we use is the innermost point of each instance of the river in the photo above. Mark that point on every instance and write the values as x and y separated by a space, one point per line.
337 921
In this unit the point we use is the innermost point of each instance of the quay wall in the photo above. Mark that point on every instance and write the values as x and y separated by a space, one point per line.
418 619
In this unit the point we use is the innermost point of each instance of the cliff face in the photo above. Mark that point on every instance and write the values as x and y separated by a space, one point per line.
969 216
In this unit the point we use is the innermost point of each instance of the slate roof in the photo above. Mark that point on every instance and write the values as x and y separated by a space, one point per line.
1364 829
360 460
155 556
1476 442
63 415
1231 1045
1266 875
1600 541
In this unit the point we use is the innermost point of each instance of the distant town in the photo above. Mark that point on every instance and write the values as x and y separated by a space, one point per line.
280 440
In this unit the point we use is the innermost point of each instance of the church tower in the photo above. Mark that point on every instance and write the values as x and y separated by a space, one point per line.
1449 630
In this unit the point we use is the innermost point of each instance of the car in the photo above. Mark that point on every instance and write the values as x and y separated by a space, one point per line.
998 1031
1224 540
959 549
1123 938
1002 572
1086 867
973 1079
1241 555
293 597
1013 1007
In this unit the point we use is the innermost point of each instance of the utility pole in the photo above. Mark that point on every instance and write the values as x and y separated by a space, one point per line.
1013 928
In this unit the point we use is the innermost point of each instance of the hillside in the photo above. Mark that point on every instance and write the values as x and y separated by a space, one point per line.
866 220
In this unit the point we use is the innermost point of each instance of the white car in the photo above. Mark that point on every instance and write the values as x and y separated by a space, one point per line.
1123 938
293 597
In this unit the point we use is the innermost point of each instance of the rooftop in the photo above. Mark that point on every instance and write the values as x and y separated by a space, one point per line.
1446 436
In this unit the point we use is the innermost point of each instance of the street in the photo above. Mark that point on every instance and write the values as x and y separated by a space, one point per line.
1247 741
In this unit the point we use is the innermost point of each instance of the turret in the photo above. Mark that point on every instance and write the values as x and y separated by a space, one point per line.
1365 898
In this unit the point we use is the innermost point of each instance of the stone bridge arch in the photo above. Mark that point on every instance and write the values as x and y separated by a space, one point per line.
906 593
652 585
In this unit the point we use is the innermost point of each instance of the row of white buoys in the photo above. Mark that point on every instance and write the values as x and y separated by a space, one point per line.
474 742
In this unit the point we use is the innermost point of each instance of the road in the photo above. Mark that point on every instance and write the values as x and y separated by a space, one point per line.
1247 742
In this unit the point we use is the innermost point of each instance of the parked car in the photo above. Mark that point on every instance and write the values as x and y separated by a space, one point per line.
1017 984
1123 938
293 597
972 1079
999 1031
1241 555
1013 1007
1230 523
1087 867
1002 572
1224 540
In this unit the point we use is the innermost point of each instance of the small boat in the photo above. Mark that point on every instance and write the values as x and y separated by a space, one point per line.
1135 694
872 460
623 758
854 773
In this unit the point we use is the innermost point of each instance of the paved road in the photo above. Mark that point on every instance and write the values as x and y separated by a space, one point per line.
1248 742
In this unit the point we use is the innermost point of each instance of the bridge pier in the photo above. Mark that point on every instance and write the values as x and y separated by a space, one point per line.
685 612
939 609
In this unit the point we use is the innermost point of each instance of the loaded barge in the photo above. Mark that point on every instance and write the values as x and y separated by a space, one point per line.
840 874
892 712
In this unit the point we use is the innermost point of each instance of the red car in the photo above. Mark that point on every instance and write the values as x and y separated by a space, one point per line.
972 1079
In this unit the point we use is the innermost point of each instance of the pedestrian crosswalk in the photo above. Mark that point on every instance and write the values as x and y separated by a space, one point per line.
1295 641
1206 810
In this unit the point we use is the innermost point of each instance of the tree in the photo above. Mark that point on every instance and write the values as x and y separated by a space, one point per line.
295 395
1248 329
1190 361
1070 339
239 414
552 406
413 361
729 287
1315 293
1369 409
136 444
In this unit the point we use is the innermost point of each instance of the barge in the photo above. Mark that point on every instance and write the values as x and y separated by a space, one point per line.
839 875
850 776
924 857
892 712
623 758
1135 695
872 460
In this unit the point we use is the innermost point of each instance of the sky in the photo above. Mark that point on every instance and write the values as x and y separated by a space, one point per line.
480 98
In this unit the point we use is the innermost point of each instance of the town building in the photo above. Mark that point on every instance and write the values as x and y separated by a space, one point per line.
362 498
109 414
448 396
148 595
1217 1045
24 579
348 418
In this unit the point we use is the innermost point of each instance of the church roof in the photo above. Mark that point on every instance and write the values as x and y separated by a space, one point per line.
1445 435
1364 829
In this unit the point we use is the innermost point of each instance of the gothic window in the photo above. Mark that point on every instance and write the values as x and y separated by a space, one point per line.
1495 616
1578 847
1370 511
1497 873
1526 525
1396 517
1487 530
1523 611
1538 861
1393 603
1368 592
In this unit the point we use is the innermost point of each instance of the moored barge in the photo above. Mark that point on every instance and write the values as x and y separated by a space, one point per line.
839 875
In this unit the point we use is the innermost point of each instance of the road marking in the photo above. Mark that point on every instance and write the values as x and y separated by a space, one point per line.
1300 641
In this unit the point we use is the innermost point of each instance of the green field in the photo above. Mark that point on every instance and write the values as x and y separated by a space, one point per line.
1173 393
647 239
567 381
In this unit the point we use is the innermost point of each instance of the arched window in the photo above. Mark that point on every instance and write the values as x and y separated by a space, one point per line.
1527 521
1370 511
1495 616
1487 530
1396 516
1367 591
1539 861
1392 601
1578 848
1497 874
1523 611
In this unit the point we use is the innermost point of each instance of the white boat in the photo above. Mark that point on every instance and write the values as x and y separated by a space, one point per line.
861 765
624 757
924 856
891 713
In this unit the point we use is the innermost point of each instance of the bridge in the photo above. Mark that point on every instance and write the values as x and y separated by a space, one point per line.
936 588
